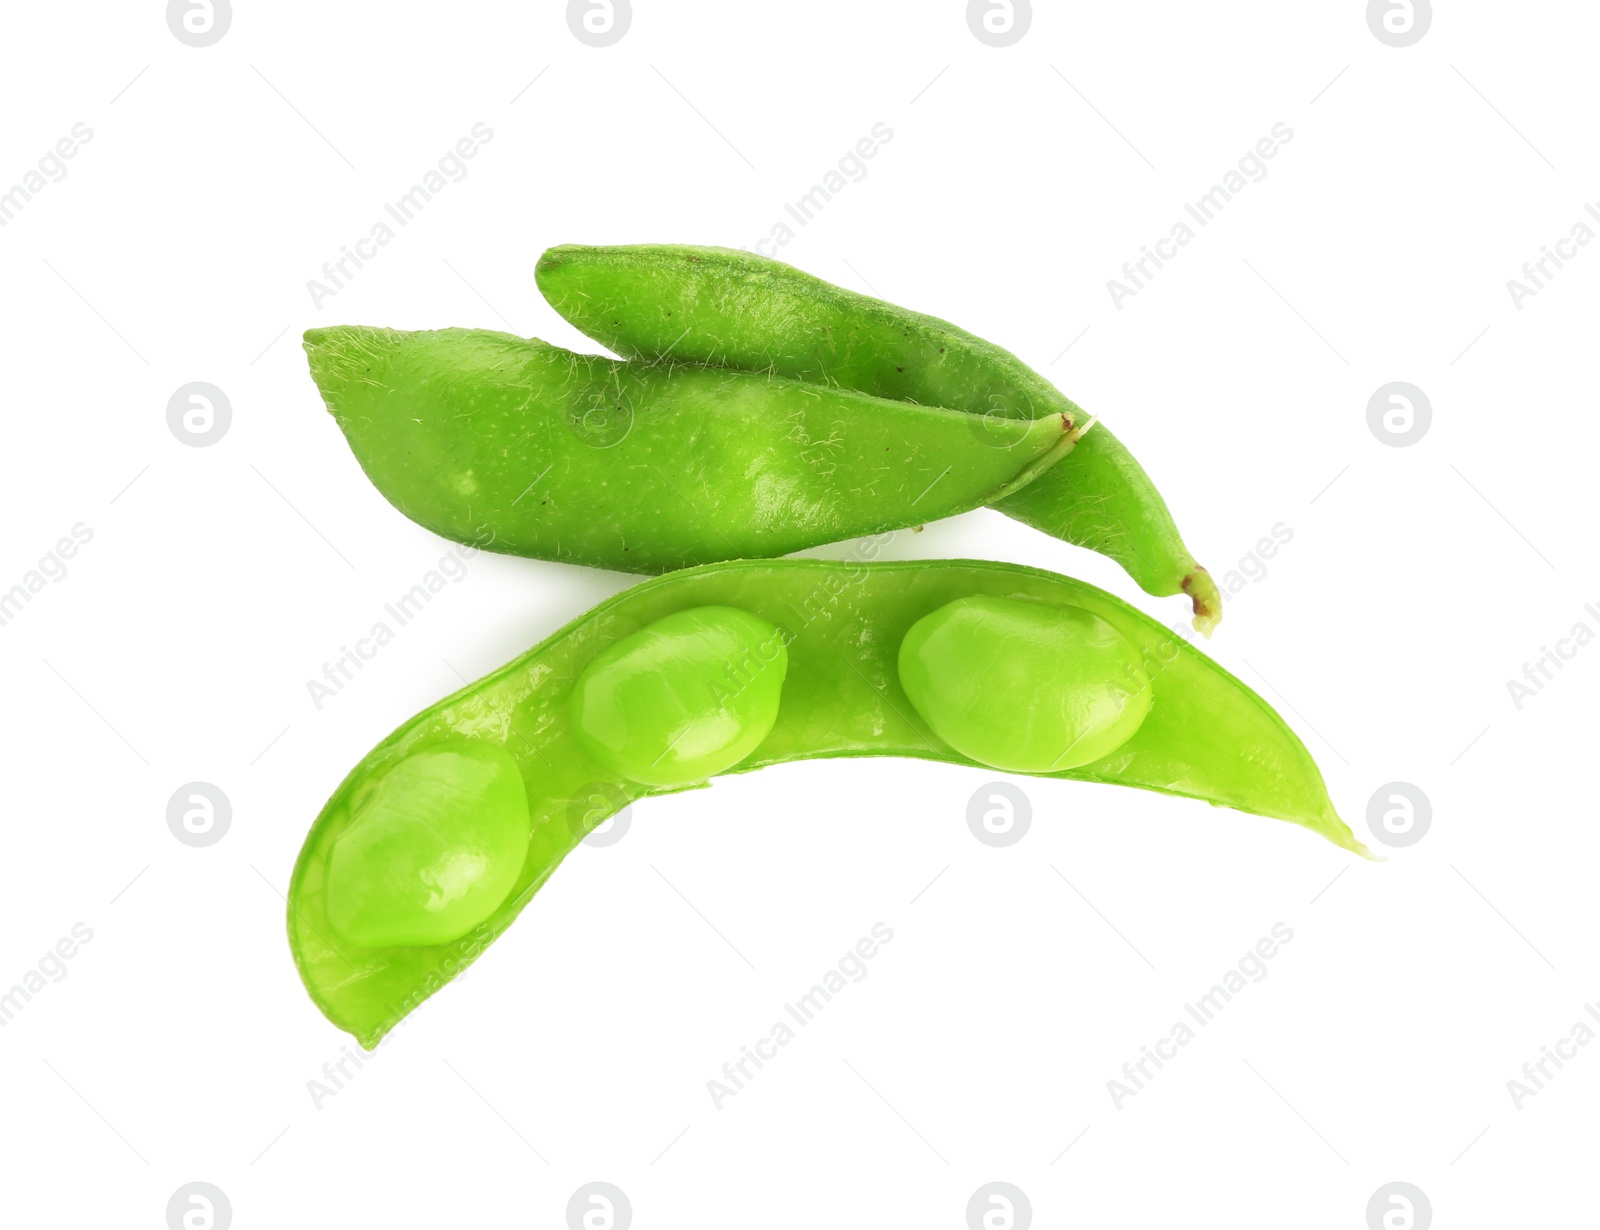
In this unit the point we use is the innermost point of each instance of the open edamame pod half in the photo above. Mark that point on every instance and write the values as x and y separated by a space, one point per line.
436 841
718 305
525 448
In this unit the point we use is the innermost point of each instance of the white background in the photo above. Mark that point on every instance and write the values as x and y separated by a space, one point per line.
179 1044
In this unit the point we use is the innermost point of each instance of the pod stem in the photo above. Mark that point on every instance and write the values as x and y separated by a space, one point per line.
1207 600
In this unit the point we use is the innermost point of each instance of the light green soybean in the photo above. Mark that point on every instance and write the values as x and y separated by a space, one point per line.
1029 687
688 696
368 962
432 847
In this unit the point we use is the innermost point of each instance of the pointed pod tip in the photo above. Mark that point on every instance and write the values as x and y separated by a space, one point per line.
1340 833
553 260
343 357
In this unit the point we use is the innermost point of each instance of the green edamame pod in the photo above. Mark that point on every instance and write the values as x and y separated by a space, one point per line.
529 449
718 305
423 855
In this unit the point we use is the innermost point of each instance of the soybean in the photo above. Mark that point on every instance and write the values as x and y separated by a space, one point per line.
427 851
691 695
431 848
748 312
520 447
1031 687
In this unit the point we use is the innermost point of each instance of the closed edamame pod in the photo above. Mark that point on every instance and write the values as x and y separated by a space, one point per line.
522 447
719 305
438 839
